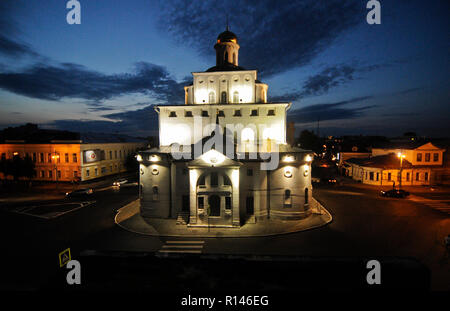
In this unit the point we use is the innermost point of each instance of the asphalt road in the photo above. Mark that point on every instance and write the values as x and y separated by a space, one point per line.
364 226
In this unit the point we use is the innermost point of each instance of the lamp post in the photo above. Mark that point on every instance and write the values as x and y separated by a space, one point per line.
55 159
401 156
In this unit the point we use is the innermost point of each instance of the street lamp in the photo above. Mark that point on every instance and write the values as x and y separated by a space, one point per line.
55 158
401 156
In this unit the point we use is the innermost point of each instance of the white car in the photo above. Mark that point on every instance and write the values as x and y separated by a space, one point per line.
120 182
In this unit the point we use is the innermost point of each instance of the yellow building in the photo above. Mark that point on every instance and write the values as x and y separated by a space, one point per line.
72 160
408 165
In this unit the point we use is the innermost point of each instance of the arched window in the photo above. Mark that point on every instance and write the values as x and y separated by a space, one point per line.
287 198
224 97
236 97
306 196
155 191
212 98
214 179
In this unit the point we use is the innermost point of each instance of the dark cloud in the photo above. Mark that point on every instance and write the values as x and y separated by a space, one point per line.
141 122
329 111
67 80
10 47
320 83
328 78
274 35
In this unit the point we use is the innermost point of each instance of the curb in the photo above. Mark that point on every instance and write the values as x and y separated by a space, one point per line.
223 234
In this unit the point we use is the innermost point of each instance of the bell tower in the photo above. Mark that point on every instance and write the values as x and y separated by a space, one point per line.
227 49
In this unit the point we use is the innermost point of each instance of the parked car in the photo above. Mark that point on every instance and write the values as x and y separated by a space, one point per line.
80 193
394 193
120 182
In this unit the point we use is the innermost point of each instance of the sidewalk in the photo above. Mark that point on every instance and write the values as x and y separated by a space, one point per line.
129 218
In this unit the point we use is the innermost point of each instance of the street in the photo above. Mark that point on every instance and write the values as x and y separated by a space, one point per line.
364 226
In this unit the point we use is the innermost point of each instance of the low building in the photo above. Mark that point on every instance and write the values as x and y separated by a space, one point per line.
72 160
409 164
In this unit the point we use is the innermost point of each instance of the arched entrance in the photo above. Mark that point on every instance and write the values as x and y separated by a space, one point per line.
214 205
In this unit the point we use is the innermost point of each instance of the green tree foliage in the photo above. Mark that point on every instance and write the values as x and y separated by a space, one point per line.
18 167
309 140
131 164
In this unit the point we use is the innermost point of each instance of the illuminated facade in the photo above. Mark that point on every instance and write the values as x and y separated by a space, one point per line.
67 161
249 173
407 165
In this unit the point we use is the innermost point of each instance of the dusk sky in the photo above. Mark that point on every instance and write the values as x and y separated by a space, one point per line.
125 56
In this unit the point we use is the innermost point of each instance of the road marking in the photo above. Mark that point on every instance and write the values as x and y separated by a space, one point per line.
182 247
185 242
180 252
28 210
439 205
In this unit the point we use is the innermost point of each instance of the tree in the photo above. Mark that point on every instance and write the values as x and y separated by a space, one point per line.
309 140
131 164
18 167
27 168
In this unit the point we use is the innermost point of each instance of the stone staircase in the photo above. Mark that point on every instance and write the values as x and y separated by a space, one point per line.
183 218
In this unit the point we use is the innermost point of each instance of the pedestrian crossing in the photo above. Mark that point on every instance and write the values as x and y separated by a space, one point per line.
440 205
182 247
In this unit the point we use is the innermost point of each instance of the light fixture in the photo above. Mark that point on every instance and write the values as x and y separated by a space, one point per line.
305 170
139 158
213 157
289 158
288 172
308 158
154 158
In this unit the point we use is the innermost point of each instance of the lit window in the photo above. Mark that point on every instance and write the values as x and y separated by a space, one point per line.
236 97
212 98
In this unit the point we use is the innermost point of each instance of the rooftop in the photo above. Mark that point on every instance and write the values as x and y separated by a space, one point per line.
388 161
